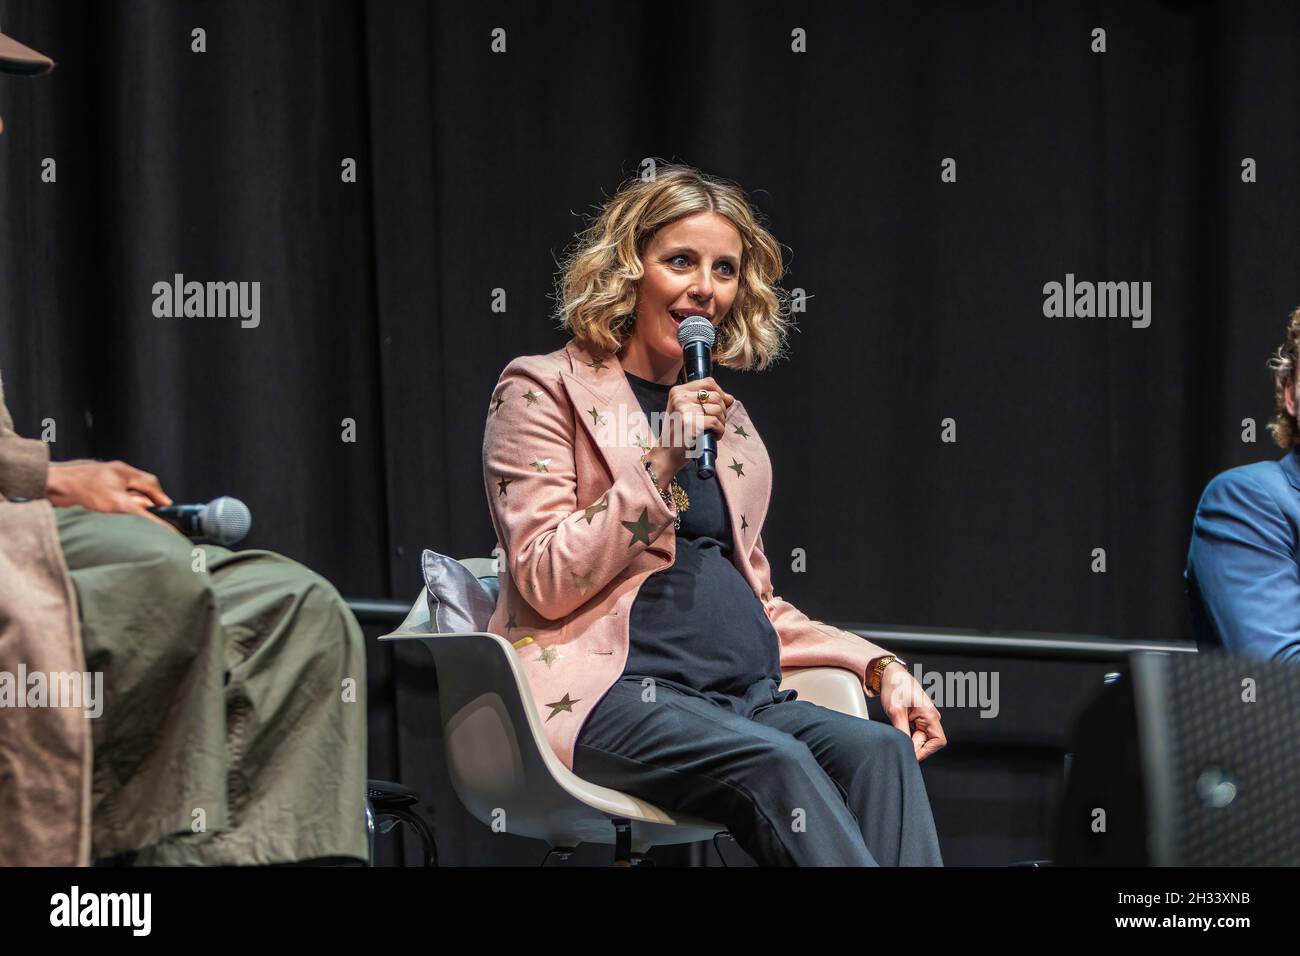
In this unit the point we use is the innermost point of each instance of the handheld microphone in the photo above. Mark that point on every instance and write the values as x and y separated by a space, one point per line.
697 335
223 521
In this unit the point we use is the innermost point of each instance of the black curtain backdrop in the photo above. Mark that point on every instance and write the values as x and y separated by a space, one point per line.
475 169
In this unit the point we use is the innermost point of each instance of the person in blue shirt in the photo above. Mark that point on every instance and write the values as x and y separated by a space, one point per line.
1243 565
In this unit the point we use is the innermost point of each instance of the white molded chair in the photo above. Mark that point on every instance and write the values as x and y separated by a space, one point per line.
504 770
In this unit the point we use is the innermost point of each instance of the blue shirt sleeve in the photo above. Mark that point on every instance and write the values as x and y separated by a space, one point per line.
1242 561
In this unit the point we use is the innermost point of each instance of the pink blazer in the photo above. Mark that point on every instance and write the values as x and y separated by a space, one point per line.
580 525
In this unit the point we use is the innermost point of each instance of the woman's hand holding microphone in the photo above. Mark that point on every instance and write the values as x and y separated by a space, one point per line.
685 419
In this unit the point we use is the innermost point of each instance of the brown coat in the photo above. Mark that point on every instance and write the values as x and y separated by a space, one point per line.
45 753
580 525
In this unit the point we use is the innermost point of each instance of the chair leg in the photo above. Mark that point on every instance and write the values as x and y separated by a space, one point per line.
416 823
622 841
370 832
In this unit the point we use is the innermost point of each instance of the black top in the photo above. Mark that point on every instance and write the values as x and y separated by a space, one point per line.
697 624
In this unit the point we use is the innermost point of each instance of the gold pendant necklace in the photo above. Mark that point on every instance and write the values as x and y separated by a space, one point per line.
681 500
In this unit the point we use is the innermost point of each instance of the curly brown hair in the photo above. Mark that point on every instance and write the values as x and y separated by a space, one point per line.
596 291
1285 429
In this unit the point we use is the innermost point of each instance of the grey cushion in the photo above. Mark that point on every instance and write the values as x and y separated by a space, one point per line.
458 601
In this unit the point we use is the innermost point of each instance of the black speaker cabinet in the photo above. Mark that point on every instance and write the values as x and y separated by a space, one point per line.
1187 760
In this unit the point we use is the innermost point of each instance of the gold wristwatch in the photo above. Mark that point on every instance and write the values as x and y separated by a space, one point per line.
878 671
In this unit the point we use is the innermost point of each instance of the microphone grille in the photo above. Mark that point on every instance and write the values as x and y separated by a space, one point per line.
696 328
226 520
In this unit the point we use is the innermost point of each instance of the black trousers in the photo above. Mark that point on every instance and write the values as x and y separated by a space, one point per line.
794 783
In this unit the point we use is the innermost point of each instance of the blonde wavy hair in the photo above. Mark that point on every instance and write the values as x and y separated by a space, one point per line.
1286 431
596 291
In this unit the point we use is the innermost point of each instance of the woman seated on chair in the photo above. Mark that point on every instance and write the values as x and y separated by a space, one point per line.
638 594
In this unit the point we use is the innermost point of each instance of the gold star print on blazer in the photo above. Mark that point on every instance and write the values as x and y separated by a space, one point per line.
577 537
